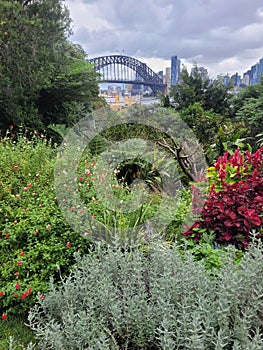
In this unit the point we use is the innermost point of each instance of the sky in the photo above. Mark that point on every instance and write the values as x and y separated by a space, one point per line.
224 36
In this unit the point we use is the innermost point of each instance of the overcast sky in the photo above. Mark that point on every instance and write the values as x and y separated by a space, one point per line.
225 36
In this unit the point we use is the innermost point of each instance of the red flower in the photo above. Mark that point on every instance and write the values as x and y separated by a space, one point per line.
15 295
68 244
16 167
4 316
24 295
17 285
2 294
22 253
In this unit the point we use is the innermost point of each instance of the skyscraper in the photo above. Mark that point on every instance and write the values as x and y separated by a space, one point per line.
175 70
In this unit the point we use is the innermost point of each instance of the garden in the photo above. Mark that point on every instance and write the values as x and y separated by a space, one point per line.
138 229
186 284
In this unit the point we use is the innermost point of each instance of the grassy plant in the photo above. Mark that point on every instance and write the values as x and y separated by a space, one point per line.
15 335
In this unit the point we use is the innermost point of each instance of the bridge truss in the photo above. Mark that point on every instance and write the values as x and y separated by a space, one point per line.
128 70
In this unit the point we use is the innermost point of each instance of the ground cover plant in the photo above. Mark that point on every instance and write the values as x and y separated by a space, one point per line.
159 299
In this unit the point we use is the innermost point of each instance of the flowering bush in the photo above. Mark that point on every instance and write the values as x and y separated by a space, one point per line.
34 237
235 200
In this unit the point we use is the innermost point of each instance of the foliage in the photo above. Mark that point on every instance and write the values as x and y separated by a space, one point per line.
247 106
43 78
192 88
15 335
116 299
35 239
235 200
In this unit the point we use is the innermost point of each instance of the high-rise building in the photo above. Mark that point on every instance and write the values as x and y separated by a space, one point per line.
167 77
175 70
260 69
254 74
200 70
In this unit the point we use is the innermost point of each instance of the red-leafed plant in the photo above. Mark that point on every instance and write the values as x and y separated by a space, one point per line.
234 206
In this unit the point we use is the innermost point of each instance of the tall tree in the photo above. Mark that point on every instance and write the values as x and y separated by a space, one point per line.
194 88
36 60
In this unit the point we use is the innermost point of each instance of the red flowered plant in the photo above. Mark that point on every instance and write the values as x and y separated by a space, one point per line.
234 206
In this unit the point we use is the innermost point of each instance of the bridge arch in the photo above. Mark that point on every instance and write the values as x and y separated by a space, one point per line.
117 74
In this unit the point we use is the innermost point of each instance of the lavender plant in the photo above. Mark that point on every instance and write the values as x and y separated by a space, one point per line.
162 299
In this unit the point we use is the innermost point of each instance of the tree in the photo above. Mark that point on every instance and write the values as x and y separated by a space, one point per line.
194 88
247 107
36 60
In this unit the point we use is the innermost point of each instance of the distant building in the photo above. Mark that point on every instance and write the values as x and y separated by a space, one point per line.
175 70
200 70
160 74
226 80
254 74
246 78
260 69
167 77
235 80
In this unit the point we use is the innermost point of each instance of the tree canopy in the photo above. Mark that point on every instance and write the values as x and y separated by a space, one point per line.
44 78
192 88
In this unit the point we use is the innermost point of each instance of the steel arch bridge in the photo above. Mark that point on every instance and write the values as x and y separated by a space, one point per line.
128 70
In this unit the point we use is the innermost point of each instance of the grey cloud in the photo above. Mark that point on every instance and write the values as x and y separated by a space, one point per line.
211 29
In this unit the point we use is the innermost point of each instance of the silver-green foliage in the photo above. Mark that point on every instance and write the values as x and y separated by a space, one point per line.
119 299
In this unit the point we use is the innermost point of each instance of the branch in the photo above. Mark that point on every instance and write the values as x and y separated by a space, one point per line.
183 160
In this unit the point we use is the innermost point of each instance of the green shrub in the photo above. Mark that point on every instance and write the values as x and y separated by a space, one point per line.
116 299
35 238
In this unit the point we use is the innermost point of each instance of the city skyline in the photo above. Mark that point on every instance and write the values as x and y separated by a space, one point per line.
225 37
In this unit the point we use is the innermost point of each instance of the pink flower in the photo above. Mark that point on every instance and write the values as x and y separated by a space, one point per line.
20 263
37 175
